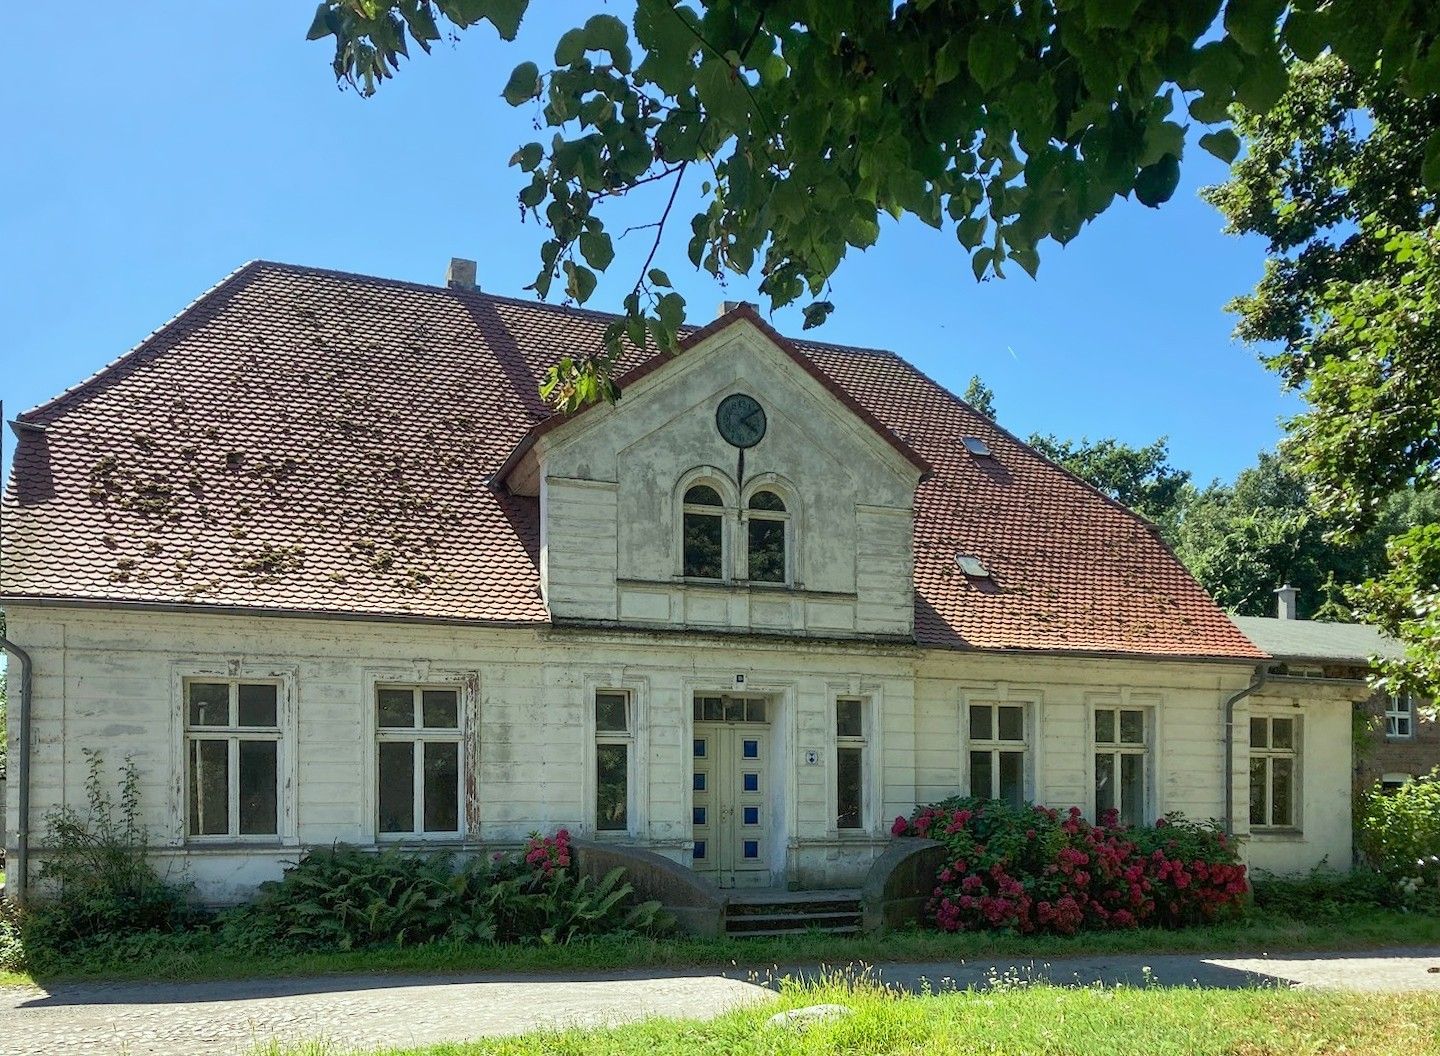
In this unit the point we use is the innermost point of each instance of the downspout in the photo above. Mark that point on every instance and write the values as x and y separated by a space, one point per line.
1256 681
20 868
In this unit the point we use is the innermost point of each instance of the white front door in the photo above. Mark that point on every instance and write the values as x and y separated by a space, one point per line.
732 794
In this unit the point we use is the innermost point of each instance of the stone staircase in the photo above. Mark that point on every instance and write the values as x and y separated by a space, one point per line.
756 914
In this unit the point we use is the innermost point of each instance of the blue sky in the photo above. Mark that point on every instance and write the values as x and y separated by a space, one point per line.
155 147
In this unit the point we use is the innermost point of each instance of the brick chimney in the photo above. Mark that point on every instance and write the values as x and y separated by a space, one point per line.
1285 602
460 275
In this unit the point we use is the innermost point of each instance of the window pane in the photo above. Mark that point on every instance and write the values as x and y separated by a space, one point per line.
767 551
610 713
714 709
612 787
702 546
258 773
257 705
702 495
734 709
1104 783
980 722
1282 799
440 709
1012 777
755 711
1012 724
1259 733
396 708
767 500
1257 791
442 786
1132 789
848 718
209 788
847 788
209 704
1282 733
1132 727
982 780
397 786
1105 726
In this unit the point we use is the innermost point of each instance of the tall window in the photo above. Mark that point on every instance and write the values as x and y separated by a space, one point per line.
613 744
1122 740
232 758
997 752
849 763
765 536
419 758
704 533
1400 717
1273 757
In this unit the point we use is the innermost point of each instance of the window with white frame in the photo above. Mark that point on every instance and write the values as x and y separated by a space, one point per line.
1400 717
850 763
766 531
1274 762
614 755
703 533
420 761
1122 763
997 752
232 758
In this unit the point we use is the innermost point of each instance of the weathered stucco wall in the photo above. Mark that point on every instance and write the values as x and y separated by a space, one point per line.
112 680
611 485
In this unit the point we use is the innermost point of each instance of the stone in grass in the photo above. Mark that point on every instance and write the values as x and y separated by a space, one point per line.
800 1018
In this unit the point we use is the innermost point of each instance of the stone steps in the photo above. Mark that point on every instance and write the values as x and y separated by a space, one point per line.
757 914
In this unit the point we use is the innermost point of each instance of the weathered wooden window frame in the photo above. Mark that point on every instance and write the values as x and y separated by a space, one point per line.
1117 749
418 736
997 746
1269 753
861 743
1399 708
231 734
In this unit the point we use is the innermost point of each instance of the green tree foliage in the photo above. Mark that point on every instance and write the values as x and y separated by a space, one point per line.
1336 182
806 121
980 397
1141 478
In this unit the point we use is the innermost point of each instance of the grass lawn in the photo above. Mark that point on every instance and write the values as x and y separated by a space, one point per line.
1018 1022
197 957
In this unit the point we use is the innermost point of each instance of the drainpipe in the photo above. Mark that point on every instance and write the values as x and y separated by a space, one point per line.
20 868
1256 681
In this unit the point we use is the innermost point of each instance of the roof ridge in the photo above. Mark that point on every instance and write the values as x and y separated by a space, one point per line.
110 368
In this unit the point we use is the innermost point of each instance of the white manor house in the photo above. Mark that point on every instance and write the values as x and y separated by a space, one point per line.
318 558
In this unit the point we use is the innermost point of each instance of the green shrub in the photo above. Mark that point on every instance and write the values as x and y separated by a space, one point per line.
1325 893
1399 831
96 867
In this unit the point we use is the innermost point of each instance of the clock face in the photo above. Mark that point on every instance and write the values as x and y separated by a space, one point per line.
741 420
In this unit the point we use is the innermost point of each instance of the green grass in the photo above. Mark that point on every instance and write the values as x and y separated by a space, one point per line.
197 957
1016 1021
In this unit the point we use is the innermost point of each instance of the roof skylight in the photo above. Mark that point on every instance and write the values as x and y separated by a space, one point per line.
972 566
976 446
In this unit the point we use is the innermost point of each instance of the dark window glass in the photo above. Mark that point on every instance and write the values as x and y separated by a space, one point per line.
767 551
1282 775
442 786
1259 733
703 546
397 786
847 788
258 774
767 500
1104 783
610 713
849 718
1132 789
612 788
734 709
209 704
1282 733
209 788
1012 777
1132 727
1012 724
980 722
702 495
396 708
754 711
982 780
1258 779
440 709
1105 727
257 705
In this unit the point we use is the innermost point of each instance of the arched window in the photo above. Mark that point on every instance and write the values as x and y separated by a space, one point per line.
765 538
704 533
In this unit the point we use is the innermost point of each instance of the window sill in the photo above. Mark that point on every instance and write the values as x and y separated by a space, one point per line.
1278 835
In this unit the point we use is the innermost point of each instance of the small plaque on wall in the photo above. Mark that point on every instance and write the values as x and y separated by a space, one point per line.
812 757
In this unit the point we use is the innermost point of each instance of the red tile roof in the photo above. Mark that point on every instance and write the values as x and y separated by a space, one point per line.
311 441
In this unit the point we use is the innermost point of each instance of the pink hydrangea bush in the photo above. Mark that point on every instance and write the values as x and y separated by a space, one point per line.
545 854
1033 869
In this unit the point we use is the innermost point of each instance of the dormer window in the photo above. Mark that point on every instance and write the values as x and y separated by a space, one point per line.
704 533
765 537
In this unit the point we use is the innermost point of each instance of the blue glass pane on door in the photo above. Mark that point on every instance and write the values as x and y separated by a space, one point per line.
699 747
752 816
751 782
750 749
699 785
698 816
699 851
752 848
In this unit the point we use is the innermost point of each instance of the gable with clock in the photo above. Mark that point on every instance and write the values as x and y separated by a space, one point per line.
731 489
